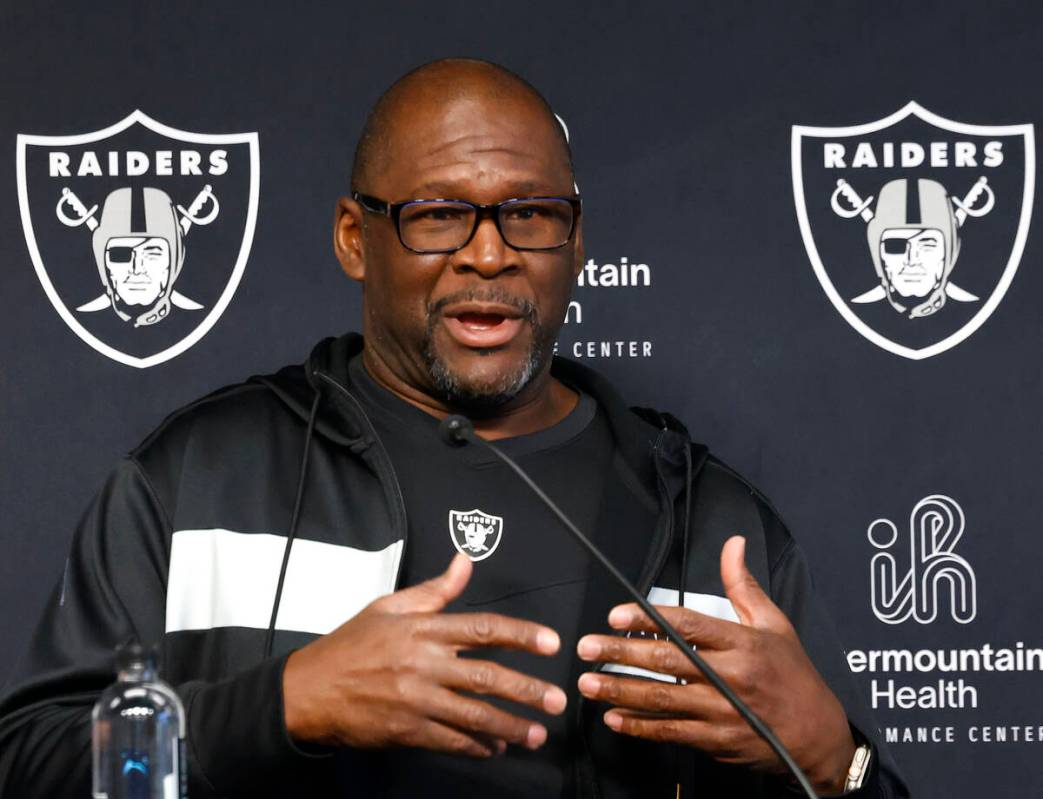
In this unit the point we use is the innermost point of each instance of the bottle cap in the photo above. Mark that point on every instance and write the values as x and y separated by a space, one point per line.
131 652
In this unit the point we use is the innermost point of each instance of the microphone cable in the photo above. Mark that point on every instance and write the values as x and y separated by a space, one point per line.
458 430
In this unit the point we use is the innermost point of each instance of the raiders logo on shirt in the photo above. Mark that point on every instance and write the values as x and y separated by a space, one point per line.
475 533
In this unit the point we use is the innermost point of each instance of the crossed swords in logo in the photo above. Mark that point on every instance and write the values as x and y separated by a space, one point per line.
189 216
964 208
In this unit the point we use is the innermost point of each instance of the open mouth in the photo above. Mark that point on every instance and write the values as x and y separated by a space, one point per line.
483 326
480 321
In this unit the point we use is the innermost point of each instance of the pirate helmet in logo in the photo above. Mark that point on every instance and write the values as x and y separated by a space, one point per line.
139 249
913 236
914 244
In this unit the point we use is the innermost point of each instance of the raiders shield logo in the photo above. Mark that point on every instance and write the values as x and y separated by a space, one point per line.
139 232
914 224
475 533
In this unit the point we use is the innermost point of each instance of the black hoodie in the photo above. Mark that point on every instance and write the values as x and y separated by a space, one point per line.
186 542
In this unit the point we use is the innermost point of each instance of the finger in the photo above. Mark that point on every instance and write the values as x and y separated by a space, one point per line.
474 716
440 737
662 657
431 595
696 700
492 679
715 739
696 628
491 630
741 587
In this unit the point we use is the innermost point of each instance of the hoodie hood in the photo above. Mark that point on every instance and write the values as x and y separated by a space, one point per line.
297 385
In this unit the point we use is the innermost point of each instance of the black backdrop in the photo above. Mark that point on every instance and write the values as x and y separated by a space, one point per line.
681 118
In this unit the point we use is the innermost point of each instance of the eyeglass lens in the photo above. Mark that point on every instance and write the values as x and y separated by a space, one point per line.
446 225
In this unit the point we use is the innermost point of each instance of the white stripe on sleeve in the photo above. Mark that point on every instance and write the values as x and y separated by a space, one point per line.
709 604
223 578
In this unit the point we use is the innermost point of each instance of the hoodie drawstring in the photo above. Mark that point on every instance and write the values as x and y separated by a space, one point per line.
687 518
683 583
269 639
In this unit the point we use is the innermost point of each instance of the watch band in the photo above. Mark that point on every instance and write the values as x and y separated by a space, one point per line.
856 774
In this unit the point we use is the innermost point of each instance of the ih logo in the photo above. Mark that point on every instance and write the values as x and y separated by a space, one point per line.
914 224
139 232
475 533
933 570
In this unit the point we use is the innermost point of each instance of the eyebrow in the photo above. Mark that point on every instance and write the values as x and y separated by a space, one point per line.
438 189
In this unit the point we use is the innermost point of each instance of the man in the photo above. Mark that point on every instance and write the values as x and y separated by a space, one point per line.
289 544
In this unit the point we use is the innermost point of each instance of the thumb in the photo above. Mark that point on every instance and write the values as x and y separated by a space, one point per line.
741 587
432 595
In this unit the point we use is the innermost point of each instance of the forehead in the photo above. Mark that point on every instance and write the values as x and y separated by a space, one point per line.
136 241
477 148
915 233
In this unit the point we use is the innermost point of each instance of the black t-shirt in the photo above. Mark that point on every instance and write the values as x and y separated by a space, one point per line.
526 565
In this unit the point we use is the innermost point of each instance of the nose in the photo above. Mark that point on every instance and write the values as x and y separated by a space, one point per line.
138 262
486 253
912 254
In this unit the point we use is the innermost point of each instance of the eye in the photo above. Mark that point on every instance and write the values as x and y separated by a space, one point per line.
438 213
525 212
894 246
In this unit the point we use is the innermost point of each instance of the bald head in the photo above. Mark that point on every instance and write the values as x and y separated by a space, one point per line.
439 85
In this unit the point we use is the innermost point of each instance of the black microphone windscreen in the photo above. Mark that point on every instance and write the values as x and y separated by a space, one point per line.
455 430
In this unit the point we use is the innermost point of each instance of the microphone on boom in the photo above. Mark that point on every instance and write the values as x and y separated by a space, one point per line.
457 431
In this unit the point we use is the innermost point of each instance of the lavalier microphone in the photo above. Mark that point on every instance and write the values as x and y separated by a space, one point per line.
456 430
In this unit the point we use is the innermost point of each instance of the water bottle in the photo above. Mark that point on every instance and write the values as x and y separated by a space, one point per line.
138 733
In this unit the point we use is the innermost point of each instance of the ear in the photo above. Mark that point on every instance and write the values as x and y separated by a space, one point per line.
347 238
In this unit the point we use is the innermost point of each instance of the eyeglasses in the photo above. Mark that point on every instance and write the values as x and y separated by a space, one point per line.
444 226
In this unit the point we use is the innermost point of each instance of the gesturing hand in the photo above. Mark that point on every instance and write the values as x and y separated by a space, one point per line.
389 676
761 659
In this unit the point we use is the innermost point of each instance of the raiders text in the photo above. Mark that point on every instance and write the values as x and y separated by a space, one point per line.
134 162
910 154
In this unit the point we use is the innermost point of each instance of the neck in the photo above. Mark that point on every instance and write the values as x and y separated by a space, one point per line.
543 402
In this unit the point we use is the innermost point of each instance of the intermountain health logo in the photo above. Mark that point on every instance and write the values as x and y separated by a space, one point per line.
914 224
475 533
912 580
946 688
139 232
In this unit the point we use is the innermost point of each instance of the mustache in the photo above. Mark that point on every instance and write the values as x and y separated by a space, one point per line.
525 307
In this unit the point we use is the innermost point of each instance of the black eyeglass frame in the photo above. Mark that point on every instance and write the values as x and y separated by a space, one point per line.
489 211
